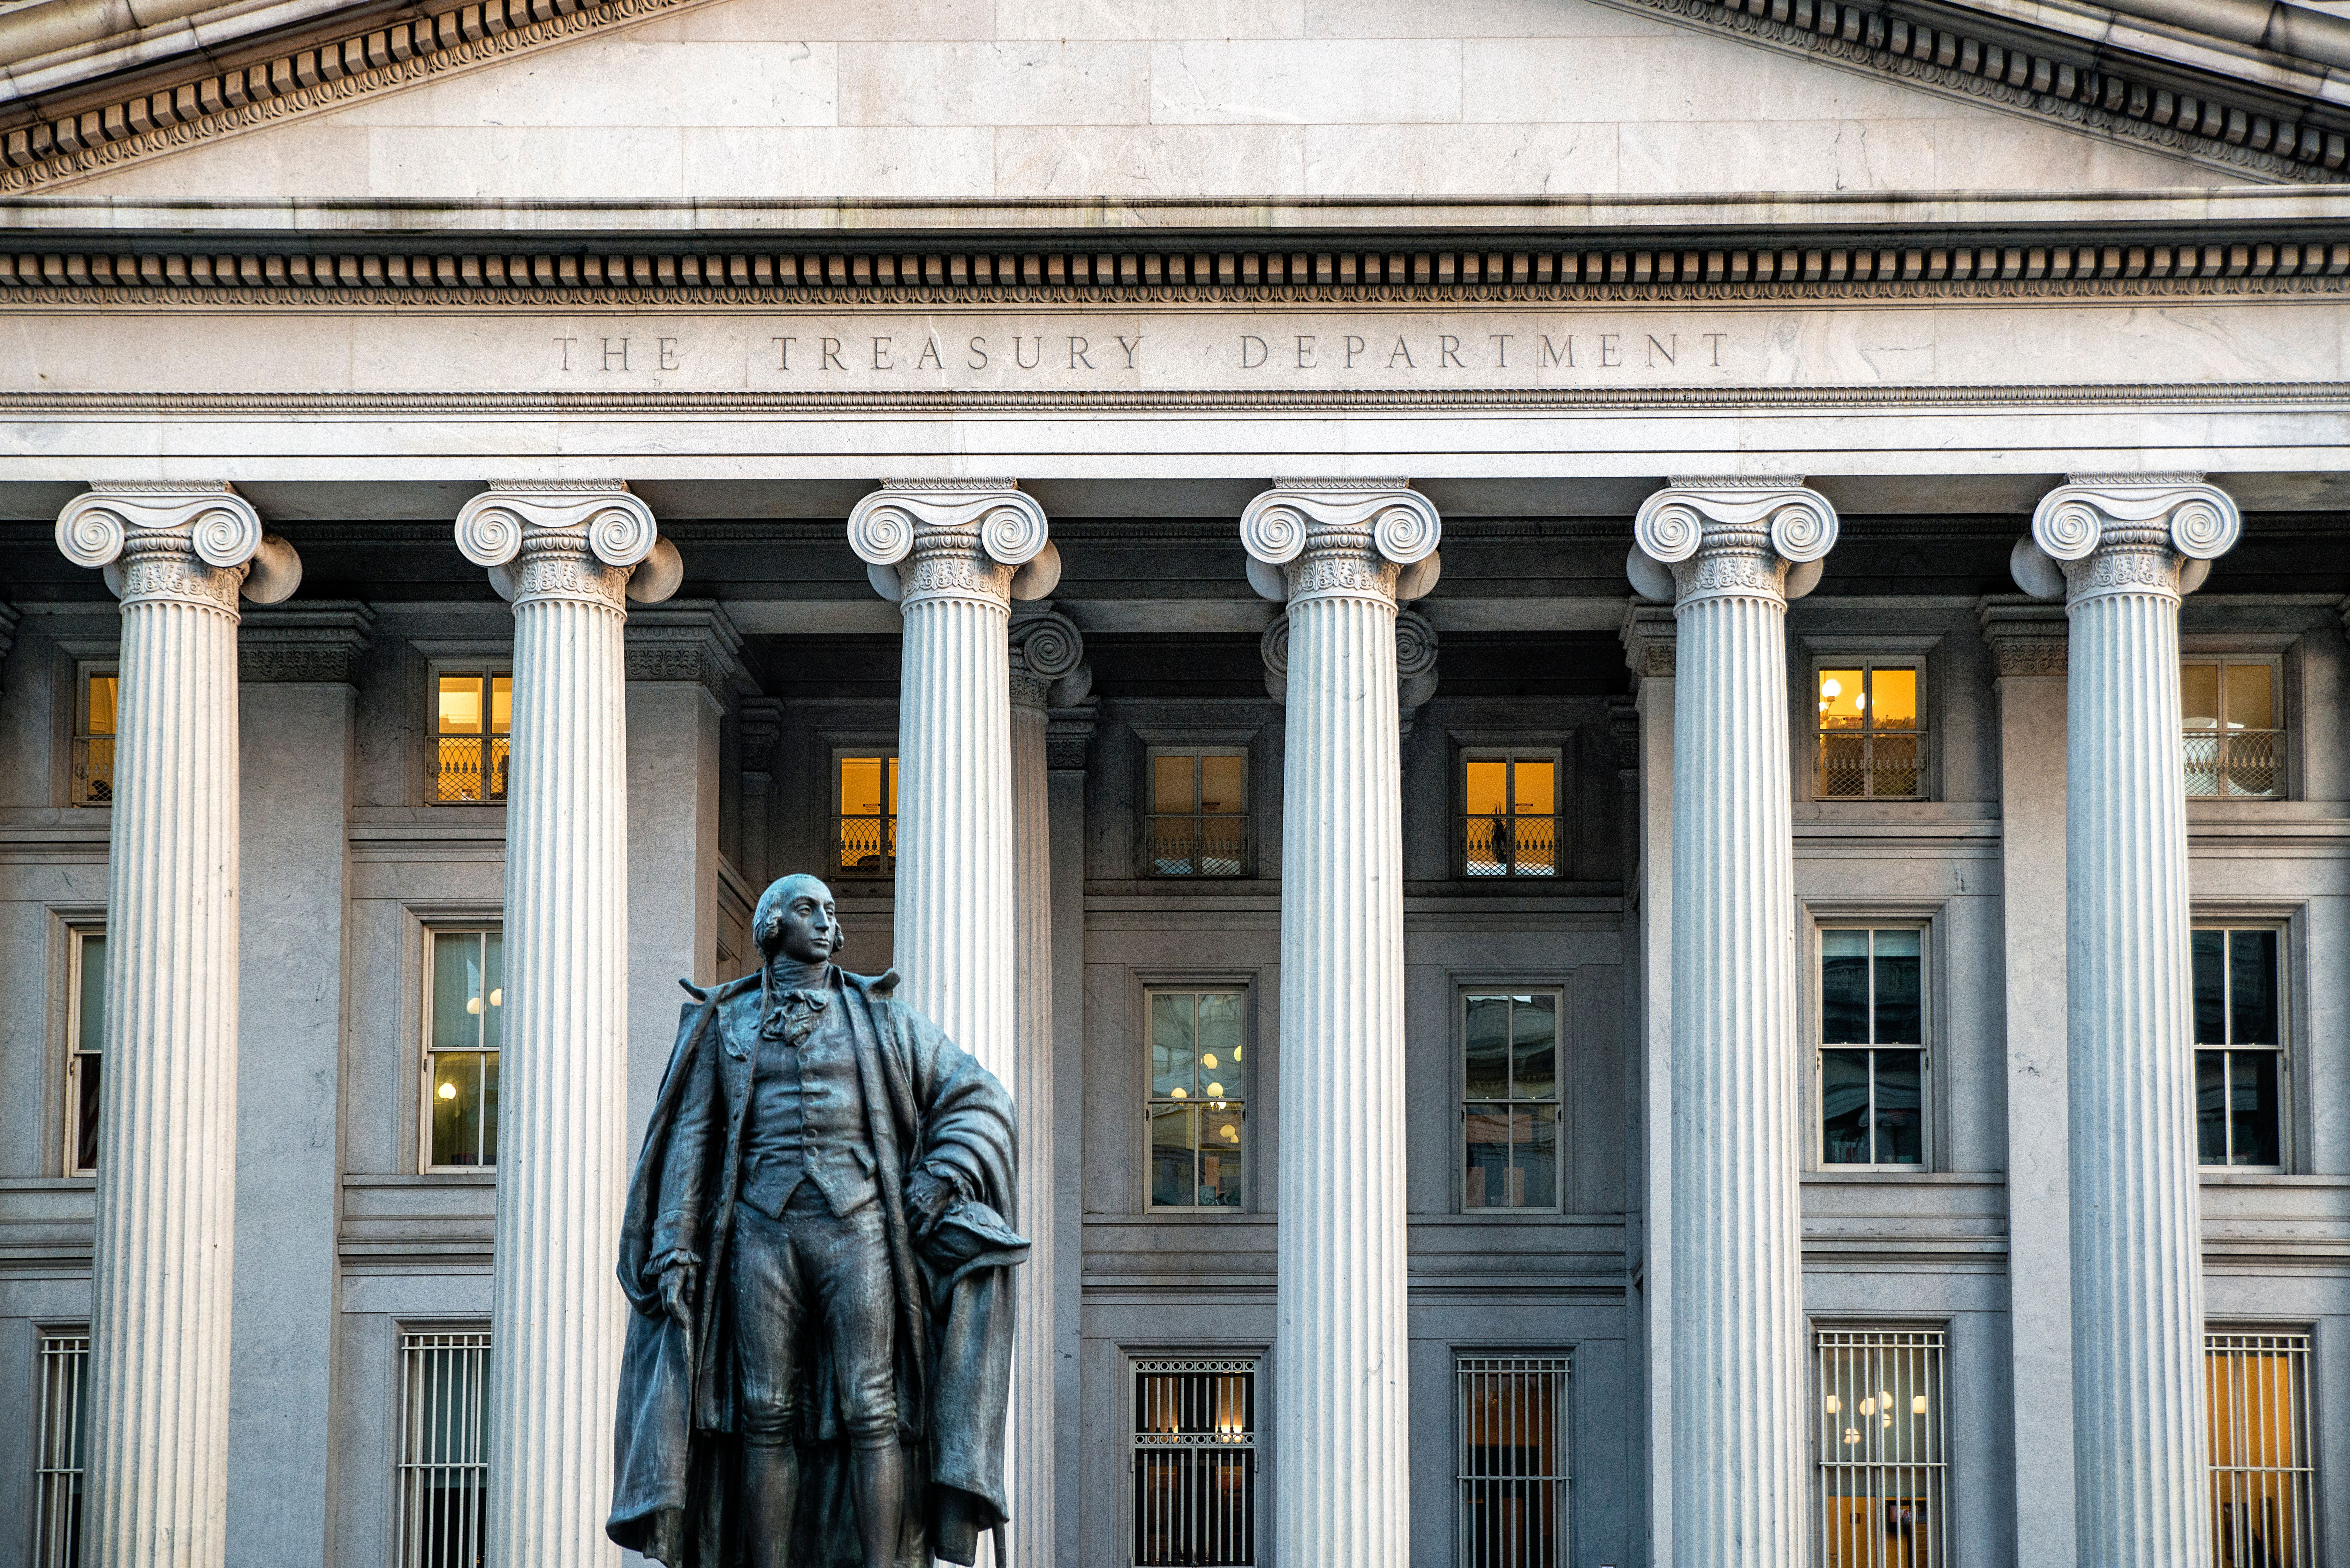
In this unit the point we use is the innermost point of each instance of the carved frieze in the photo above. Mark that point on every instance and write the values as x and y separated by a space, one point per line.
686 640
317 642
2027 636
1647 635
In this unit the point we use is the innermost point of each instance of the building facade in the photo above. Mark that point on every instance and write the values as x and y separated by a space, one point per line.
1627 718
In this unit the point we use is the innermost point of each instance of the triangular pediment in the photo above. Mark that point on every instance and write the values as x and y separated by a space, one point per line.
798 99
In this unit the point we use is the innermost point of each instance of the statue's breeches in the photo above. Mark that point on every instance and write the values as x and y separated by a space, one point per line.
813 1269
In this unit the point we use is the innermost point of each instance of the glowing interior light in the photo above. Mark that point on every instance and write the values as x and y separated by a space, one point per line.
1216 1089
1180 1094
1208 1061
1918 1406
448 1091
499 998
1835 1404
474 1005
1851 1437
1831 689
1869 1407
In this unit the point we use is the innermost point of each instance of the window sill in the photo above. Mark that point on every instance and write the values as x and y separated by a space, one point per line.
1905 1175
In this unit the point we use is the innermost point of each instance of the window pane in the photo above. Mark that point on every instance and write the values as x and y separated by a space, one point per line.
90 1006
490 1108
1172 1156
1220 1037
1843 987
2254 1110
1221 1146
460 705
457 1004
1843 1107
1900 1108
1901 991
1533 1168
1487 788
1893 763
493 997
1223 785
2199 695
85 1108
1840 699
457 1103
2253 988
2251 704
1486 1182
1489 1047
1534 1048
1535 788
889 766
103 690
500 704
2211 1106
1843 766
860 786
1893 695
1173 1046
2209 950
1170 783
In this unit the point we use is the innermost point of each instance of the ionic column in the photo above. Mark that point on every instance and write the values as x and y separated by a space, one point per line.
2122 551
568 556
1337 553
178 555
1730 554
954 555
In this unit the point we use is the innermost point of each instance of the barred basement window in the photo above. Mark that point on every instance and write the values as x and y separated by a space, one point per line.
1871 739
1513 1474
444 1468
2263 1485
1198 824
2240 1057
95 701
61 1452
1194 1463
473 716
1509 822
2235 746
1882 1449
865 814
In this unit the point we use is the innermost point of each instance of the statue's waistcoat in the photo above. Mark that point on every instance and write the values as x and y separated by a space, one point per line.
807 1120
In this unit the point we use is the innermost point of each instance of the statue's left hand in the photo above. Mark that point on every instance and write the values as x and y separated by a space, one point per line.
677 1294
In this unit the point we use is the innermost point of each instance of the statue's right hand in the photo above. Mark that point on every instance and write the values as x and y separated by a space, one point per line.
677 1294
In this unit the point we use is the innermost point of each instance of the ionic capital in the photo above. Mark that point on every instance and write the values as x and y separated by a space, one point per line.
589 541
1342 538
1048 660
1731 538
188 544
2125 534
983 539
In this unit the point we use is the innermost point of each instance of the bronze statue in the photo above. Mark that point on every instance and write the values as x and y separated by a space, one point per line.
818 1244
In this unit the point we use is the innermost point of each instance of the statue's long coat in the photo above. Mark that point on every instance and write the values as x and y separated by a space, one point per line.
677 1459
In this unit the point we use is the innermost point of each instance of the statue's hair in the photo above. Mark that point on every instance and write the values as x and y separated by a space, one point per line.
767 920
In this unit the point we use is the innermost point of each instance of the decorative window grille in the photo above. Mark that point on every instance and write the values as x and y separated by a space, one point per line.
2235 746
1872 1057
1198 824
1513 1473
93 743
85 1034
1508 1100
865 819
2263 1485
61 1454
473 718
443 1450
465 1026
1883 1457
1509 824
1198 1098
1194 1463
2239 1058
1871 739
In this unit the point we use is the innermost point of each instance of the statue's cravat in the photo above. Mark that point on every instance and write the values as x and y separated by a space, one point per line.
793 1016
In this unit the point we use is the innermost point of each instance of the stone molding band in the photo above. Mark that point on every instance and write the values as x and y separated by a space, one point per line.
983 539
186 542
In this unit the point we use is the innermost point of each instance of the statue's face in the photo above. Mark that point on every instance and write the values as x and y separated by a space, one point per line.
811 930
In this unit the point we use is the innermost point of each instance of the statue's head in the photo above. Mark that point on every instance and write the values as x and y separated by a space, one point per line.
796 917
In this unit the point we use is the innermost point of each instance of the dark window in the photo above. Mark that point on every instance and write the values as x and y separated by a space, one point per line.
1508 1100
1872 1059
461 1054
1198 1098
2240 1062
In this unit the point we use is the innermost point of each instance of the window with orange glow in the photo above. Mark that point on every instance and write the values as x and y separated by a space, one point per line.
473 716
2264 1483
2234 737
1198 821
100 694
1871 735
865 819
1509 814
1193 1455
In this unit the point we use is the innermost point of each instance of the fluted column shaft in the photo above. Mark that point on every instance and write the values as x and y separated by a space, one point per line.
1736 1230
2142 1488
1341 1434
557 1318
1030 1441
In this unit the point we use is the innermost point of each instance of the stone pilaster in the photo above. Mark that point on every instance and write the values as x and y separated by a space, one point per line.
179 557
1342 1436
1068 736
569 557
1731 554
954 555
2123 551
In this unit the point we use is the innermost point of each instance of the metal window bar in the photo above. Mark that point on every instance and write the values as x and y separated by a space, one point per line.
1195 844
1497 844
867 845
2263 1484
443 1450
60 1457
1873 765
1882 1455
1513 1478
468 770
1194 1463
2238 763
93 770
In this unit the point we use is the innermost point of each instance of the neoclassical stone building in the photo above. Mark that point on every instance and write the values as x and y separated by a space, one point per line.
1627 717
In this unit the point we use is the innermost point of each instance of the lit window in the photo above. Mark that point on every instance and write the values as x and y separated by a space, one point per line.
1872 1061
95 707
85 1034
2264 1486
461 1054
472 715
865 818
1198 821
444 1492
61 1455
1882 1448
2234 744
2239 1063
1510 1109
1199 1097
1872 735
1509 803
1194 1463
1512 1476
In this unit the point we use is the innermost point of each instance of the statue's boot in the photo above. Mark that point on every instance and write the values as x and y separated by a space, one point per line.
771 1492
880 1480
